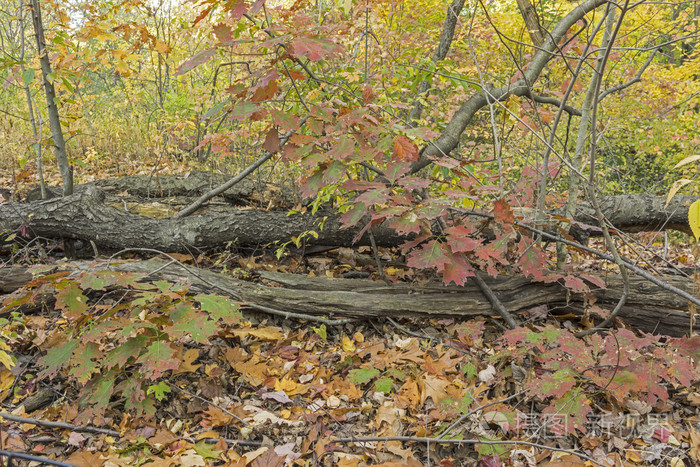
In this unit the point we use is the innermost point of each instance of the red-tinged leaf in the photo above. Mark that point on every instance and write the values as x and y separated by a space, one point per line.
371 197
459 240
343 149
202 15
294 75
404 149
286 121
555 384
223 32
301 140
202 57
158 358
568 413
595 280
333 173
502 212
71 301
243 111
272 141
353 216
265 92
312 184
408 224
396 169
313 48
575 284
533 262
457 270
491 461
237 8
413 183
428 255
662 434
256 6
361 185
368 94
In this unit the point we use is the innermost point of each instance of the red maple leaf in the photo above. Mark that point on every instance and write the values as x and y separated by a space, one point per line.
405 149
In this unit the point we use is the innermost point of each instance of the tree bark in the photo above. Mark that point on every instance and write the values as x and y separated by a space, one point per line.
86 216
532 23
649 307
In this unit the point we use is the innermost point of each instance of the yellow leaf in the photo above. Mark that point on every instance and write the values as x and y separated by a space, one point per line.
687 160
358 337
677 185
267 333
6 360
285 384
694 219
348 344
162 47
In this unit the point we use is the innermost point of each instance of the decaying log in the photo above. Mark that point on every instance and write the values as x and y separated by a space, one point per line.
87 216
649 307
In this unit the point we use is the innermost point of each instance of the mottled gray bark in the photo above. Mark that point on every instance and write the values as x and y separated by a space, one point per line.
86 216
649 307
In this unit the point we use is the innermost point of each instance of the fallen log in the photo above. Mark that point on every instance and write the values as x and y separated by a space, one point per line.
649 307
86 216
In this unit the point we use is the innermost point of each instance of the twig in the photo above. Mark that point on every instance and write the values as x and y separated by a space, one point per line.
495 301
225 186
380 269
473 411
423 439
61 425
411 333
213 405
631 266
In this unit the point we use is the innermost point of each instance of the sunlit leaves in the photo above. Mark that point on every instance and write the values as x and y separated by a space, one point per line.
694 219
202 57
313 48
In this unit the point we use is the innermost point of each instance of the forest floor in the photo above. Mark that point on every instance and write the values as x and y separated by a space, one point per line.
156 374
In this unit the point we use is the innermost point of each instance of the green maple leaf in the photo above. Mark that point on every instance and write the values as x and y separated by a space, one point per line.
56 359
220 308
121 354
207 450
362 375
84 363
553 384
158 358
70 300
197 325
159 390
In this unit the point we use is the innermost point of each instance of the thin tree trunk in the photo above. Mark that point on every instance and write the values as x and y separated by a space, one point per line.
531 22
30 106
448 32
577 160
54 119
